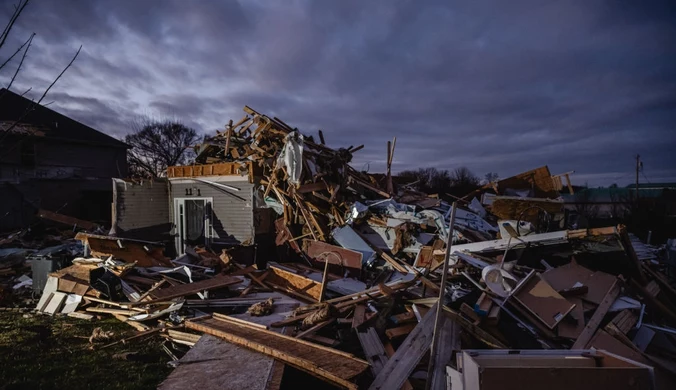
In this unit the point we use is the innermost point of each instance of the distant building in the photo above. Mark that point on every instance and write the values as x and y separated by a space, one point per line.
52 162
614 202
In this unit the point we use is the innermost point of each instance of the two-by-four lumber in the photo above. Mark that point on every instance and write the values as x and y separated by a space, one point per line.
359 316
193 288
373 349
595 320
332 365
399 331
401 364
449 340
389 350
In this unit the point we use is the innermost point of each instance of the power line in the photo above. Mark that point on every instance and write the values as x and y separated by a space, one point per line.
645 177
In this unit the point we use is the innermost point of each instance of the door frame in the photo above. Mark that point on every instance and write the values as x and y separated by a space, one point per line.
179 211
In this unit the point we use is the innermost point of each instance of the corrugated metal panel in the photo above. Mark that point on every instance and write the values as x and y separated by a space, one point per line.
232 212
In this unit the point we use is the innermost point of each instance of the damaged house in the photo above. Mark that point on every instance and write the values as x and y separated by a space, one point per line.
206 205
52 163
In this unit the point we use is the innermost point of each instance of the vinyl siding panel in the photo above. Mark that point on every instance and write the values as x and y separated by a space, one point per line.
141 209
232 215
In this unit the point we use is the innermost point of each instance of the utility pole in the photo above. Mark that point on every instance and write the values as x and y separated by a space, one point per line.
638 166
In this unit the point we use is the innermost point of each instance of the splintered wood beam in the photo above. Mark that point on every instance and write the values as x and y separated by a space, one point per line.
595 320
401 364
449 340
228 135
305 188
245 128
369 187
321 137
373 349
359 316
240 122
389 351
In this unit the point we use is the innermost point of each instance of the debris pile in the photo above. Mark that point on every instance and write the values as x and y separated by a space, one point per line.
353 296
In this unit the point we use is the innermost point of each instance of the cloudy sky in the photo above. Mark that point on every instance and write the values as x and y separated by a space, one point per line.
493 85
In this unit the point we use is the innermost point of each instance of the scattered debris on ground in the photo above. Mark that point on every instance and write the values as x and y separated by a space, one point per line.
372 285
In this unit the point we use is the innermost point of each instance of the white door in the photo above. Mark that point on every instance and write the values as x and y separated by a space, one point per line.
192 217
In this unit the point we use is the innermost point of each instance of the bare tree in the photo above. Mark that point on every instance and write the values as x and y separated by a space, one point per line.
158 144
429 179
584 205
491 177
5 131
463 177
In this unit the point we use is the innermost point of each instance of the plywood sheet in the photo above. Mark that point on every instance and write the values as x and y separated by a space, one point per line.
573 274
340 259
294 282
214 364
543 301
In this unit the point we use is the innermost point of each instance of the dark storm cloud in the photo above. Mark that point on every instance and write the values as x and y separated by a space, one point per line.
496 87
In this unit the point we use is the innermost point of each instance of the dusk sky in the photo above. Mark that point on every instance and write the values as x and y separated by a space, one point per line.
501 86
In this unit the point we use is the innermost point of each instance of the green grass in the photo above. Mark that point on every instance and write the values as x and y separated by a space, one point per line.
42 352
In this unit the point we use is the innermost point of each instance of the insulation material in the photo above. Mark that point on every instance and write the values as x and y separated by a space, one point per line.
291 157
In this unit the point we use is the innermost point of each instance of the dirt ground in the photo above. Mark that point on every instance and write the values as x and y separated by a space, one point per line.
43 352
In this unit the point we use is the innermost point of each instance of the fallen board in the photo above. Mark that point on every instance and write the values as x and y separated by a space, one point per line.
216 364
332 365
193 288
594 322
397 369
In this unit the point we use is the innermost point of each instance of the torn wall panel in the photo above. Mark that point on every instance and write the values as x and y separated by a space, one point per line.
141 209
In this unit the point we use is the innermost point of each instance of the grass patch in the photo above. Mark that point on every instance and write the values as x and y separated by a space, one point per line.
43 352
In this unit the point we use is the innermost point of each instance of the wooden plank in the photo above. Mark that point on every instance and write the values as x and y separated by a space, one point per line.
359 316
66 220
400 331
130 251
299 284
624 321
136 325
218 169
653 302
312 330
183 336
182 290
389 350
401 364
112 311
631 253
469 312
595 320
332 365
403 318
340 259
373 349
305 188
449 340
